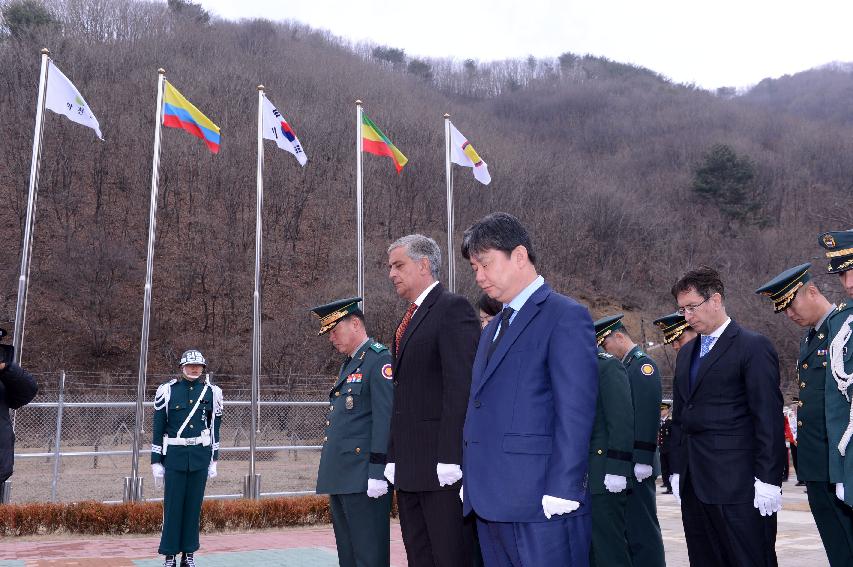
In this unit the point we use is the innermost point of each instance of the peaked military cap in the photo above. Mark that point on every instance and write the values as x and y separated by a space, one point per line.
782 289
606 325
665 404
672 326
839 250
331 314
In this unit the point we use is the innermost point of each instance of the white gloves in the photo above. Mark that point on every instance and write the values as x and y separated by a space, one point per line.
675 483
553 506
642 472
158 471
211 470
389 472
839 491
768 498
615 483
447 474
376 488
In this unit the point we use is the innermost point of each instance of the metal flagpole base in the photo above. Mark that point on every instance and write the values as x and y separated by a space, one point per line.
6 492
132 491
252 486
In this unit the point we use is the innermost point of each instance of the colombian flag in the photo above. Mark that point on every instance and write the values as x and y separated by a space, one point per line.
375 142
178 112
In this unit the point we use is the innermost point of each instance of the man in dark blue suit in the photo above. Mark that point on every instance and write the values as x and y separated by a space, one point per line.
531 409
728 441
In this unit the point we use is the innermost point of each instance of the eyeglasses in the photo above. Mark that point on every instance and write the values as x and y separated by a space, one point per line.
690 309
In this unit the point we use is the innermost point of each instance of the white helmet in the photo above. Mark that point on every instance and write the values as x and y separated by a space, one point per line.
192 356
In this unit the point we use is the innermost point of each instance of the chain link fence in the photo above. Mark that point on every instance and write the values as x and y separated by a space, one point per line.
75 442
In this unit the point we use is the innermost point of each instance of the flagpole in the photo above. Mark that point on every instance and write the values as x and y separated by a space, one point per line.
448 174
252 485
359 225
135 489
27 245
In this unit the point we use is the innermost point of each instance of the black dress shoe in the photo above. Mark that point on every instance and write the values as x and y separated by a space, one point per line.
800 483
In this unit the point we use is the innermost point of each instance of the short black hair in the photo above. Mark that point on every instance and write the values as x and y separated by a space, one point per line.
704 279
488 305
358 315
497 231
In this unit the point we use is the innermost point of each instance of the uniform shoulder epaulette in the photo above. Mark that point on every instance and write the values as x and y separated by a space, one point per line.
604 355
841 306
164 392
378 347
640 354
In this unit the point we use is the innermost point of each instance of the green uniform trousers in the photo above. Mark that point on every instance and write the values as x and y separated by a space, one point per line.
182 498
362 529
609 547
834 521
641 525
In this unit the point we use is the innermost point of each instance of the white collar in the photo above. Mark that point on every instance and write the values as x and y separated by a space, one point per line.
424 293
716 334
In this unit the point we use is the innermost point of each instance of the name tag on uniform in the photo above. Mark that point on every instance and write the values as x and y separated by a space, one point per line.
354 378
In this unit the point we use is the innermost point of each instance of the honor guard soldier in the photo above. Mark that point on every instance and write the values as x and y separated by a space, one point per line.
641 519
818 462
839 252
185 448
610 464
665 443
676 331
356 438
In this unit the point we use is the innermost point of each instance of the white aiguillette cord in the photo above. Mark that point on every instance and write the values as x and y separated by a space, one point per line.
843 380
192 413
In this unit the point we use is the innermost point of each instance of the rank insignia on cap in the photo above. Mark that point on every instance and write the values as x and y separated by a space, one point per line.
332 313
784 287
672 326
647 369
355 377
839 250
605 326
387 372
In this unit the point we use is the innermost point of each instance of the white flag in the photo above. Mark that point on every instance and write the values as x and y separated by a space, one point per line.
463 153
278 130
64 98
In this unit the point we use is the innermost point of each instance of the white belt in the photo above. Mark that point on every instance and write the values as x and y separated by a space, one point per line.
203 440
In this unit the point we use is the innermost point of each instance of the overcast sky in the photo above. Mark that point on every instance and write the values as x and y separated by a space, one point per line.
710 43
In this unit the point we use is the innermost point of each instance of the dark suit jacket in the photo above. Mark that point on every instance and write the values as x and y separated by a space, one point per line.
432 379
729 429
531 410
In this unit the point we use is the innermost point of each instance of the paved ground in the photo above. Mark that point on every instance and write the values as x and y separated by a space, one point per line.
798 544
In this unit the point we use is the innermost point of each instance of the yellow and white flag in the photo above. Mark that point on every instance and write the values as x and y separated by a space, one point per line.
463 153
62 97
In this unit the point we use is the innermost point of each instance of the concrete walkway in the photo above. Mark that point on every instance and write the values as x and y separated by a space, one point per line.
797 544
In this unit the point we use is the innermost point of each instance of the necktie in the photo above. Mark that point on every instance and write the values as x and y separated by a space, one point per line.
707 343
812 333
504 325
401 330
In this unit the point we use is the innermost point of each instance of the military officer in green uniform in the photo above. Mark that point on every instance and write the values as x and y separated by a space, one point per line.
610 464
184 451
794 293
353 458
642 527
676 330
839 253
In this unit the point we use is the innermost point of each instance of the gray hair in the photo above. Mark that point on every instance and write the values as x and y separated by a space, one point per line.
419 247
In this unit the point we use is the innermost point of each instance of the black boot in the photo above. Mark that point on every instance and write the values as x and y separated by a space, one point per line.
170 561
187 560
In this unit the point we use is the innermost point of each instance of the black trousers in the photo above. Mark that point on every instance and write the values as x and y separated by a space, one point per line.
726 535
834 520
434 533
665 470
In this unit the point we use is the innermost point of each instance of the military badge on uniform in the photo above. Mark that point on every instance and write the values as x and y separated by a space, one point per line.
356 377
349 402
647 369
828 241
387 372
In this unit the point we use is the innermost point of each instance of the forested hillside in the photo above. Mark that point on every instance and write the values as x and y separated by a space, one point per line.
624 178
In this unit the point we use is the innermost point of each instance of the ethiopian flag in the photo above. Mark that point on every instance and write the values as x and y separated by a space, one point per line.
375 142
178 112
